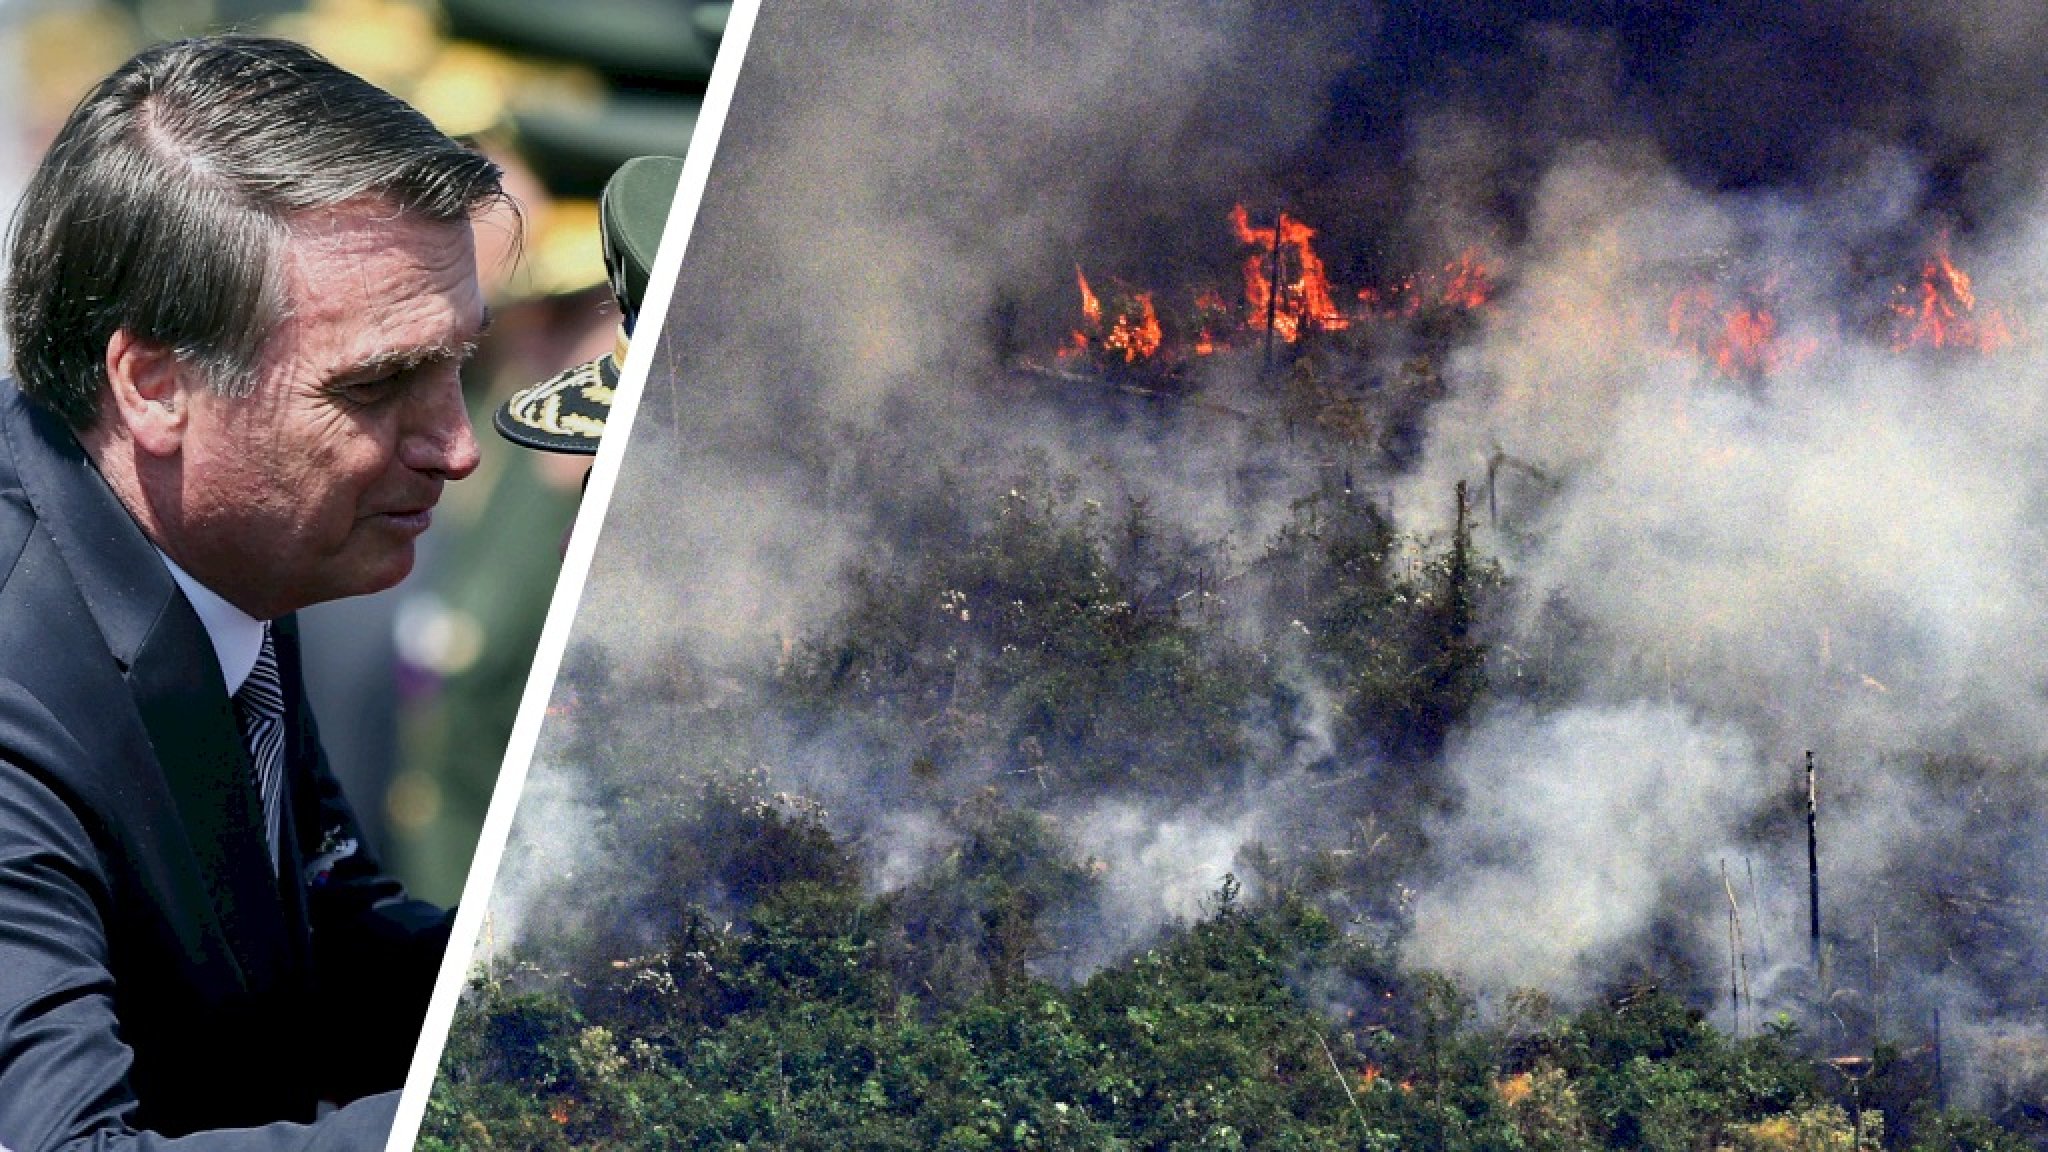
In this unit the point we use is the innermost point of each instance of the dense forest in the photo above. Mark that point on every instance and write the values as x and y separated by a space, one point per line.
754 964
1258 1027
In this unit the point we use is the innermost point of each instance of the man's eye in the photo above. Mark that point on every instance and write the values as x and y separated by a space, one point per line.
369 391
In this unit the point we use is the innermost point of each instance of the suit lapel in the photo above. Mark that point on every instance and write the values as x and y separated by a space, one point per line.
157 639
192 726
299 747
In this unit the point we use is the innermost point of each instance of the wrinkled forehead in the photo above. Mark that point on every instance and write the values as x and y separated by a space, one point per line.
365 280
373 236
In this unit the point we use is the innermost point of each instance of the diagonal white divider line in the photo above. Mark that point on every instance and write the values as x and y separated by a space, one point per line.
540 683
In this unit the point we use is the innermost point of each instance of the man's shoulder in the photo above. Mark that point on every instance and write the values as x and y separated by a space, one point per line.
56 672
17 517
24 578
78 580
41 612
55 675
30 580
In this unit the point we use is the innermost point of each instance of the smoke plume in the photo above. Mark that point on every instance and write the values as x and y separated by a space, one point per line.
1836 544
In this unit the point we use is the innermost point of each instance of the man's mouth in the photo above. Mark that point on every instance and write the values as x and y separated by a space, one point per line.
412 520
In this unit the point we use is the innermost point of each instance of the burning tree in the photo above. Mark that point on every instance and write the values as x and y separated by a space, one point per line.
1939 310
1128 330
1286 290
1739 336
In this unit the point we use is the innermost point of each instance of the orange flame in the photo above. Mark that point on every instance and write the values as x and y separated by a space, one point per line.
1135 333
1090 306
1940 311
1286 287
1462 285
1136 337
1741 340
1304 298
1468 285
559 1112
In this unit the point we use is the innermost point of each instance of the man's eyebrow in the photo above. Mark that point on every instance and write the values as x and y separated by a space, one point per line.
396 360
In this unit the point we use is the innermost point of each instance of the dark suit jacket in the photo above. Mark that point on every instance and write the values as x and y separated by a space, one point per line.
156 979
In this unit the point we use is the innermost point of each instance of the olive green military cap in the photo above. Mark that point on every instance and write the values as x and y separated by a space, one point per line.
566 413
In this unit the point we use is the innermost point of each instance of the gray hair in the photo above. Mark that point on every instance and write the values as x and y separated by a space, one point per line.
162 207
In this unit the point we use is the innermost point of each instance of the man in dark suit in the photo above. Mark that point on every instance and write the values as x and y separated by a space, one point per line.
241 286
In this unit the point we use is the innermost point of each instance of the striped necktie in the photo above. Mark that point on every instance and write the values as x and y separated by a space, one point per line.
259 706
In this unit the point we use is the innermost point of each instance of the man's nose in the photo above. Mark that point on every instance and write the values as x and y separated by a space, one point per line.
441 440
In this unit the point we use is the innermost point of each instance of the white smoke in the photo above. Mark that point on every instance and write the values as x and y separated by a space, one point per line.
1157 866
1575 830
556 854
1844 554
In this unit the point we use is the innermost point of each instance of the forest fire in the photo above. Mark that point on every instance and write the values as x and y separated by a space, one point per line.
1939 310
1285 286
1740 334
1740 338
1128 330
1372 1078
1288 296
1346 662
1465 284
1468 284
1133 333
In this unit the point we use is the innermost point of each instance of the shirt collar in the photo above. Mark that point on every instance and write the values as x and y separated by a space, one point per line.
237 636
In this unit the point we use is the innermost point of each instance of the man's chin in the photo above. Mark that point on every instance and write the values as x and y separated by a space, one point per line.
392 565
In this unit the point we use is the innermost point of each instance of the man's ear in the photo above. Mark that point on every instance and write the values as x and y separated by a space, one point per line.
148 399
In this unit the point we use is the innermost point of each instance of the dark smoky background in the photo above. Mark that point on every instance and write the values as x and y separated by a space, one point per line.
1707 572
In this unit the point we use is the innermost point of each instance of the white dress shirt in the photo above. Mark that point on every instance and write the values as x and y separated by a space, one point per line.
237 636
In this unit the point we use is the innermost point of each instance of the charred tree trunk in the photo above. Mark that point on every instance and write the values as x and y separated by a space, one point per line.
1273 291
1812 865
